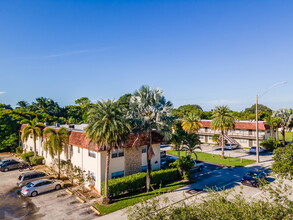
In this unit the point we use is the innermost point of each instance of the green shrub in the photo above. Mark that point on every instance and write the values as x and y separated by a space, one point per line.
164 176
184 164
36 160
26 156
137 181
271 144
19 150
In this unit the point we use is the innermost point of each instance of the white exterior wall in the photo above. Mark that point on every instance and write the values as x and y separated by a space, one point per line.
155 161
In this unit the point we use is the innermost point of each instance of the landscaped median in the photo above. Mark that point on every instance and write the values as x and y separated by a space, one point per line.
129 190
214 158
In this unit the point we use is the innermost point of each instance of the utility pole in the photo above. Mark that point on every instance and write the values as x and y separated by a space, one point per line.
257 142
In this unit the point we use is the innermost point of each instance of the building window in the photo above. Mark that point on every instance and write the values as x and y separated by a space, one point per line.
92 153
210 138
200 137
143 149
71 148
117 174
144 168
243 140
78 149
118 153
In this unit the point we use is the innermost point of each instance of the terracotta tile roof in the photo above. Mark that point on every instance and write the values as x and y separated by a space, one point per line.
79 139
240 125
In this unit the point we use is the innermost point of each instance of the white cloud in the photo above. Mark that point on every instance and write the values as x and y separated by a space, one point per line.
2 93
70 53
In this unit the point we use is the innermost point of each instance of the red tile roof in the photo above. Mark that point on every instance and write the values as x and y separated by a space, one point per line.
79 139
240 125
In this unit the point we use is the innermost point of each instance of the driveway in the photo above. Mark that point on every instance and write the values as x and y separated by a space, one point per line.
51 205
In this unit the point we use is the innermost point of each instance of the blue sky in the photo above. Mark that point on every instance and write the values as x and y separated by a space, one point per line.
199 52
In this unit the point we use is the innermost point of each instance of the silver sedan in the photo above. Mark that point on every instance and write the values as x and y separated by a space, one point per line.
41 186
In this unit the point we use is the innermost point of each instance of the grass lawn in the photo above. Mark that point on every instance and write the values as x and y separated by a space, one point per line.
288 136
231 161
130 200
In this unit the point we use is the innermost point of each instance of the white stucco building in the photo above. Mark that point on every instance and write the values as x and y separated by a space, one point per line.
244 132
126 161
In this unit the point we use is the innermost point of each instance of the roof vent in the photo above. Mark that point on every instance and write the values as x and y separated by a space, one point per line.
71 126
57 125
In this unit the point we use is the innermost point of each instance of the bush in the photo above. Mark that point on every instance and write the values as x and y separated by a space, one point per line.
19 150
184 164
26 156
36 160
271 144
164 176
137 181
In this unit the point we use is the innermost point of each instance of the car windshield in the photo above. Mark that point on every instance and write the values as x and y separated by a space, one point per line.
30 185
252 175
253 148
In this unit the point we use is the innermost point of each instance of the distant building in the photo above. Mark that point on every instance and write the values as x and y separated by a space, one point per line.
244 133
87 157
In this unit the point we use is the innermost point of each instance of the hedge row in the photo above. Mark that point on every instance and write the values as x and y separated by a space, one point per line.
26 156
137 181
36 160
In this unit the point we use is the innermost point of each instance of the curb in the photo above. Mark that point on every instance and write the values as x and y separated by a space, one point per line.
69 192
79 199
95 210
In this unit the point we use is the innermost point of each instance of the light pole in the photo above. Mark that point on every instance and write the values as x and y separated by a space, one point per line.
256 116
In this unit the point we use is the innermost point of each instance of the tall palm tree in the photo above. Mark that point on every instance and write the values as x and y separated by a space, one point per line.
223 121
286 119
56 142
150 111
192 142
191 123
22 104
35 128
108 128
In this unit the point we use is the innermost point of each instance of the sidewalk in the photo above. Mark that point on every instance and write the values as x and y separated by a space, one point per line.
224 178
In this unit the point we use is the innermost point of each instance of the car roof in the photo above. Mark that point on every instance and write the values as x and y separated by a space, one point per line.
31 172
39 181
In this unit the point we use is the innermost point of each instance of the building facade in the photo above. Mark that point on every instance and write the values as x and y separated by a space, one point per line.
123 162
244 133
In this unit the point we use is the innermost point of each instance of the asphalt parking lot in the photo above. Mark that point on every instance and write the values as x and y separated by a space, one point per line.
50 205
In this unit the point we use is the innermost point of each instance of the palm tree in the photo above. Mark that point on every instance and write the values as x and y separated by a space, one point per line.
56 142
223 121
286 119
192 142
108 128
191 123
177 140
150 111
35 128
22 104
272 122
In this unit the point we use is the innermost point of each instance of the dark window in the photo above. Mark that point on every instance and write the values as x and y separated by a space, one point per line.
117 174
118 153
143 149
42 174
92 153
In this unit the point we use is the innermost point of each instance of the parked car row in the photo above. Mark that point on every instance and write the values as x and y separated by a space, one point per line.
32 183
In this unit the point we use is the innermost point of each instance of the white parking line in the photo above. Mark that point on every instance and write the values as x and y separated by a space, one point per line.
256 194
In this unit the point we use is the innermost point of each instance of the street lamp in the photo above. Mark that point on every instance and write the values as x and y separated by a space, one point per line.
256 115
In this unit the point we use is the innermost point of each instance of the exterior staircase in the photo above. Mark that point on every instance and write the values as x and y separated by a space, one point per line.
230 140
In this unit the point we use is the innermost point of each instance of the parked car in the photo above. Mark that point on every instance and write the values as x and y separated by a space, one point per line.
6 160
11 165
165 162
26 178
198 166
254 178
253 150
230 146
40 186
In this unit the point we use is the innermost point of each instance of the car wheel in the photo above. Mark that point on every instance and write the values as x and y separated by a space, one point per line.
58 187
6 169
34 193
